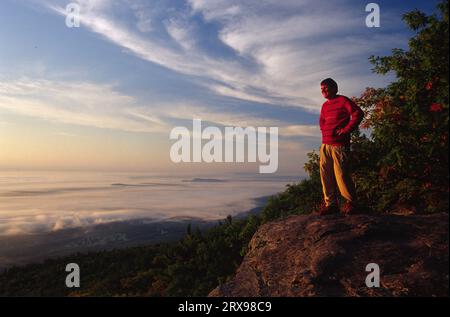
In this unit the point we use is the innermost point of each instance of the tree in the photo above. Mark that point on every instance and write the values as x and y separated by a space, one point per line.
409 120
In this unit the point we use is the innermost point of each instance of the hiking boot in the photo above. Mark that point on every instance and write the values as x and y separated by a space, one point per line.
348 208
328 210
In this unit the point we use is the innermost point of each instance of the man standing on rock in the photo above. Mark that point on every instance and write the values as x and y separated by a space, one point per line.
338 118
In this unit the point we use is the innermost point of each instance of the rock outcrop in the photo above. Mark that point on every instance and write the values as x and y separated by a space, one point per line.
308 255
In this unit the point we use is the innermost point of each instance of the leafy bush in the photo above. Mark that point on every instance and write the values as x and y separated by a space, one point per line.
407 156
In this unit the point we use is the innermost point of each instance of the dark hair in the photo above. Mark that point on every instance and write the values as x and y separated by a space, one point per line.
330 83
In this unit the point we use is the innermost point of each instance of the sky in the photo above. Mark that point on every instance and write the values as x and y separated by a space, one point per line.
106 95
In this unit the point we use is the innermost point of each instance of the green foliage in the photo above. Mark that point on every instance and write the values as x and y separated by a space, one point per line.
409 121
301 198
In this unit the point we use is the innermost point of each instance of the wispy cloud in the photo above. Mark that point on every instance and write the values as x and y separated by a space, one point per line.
301 130
80 103
278 50
66 134
102 106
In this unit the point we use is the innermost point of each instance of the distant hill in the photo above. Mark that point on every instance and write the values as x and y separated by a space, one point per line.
33 248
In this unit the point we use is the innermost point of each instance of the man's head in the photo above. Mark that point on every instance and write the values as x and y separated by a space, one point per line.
329 88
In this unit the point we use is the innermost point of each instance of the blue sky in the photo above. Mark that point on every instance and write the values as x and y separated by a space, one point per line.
107 94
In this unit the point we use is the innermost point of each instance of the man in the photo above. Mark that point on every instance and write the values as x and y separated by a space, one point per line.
338 118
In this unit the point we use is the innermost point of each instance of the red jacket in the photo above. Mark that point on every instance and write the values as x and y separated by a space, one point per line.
339 113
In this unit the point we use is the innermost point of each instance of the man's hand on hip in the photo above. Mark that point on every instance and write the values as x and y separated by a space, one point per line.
340 132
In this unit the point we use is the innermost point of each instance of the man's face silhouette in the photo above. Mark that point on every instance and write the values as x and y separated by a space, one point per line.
328 92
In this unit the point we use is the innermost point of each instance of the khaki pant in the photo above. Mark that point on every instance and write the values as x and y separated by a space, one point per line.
335 169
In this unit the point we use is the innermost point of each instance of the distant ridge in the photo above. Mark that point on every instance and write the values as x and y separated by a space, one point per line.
204 180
